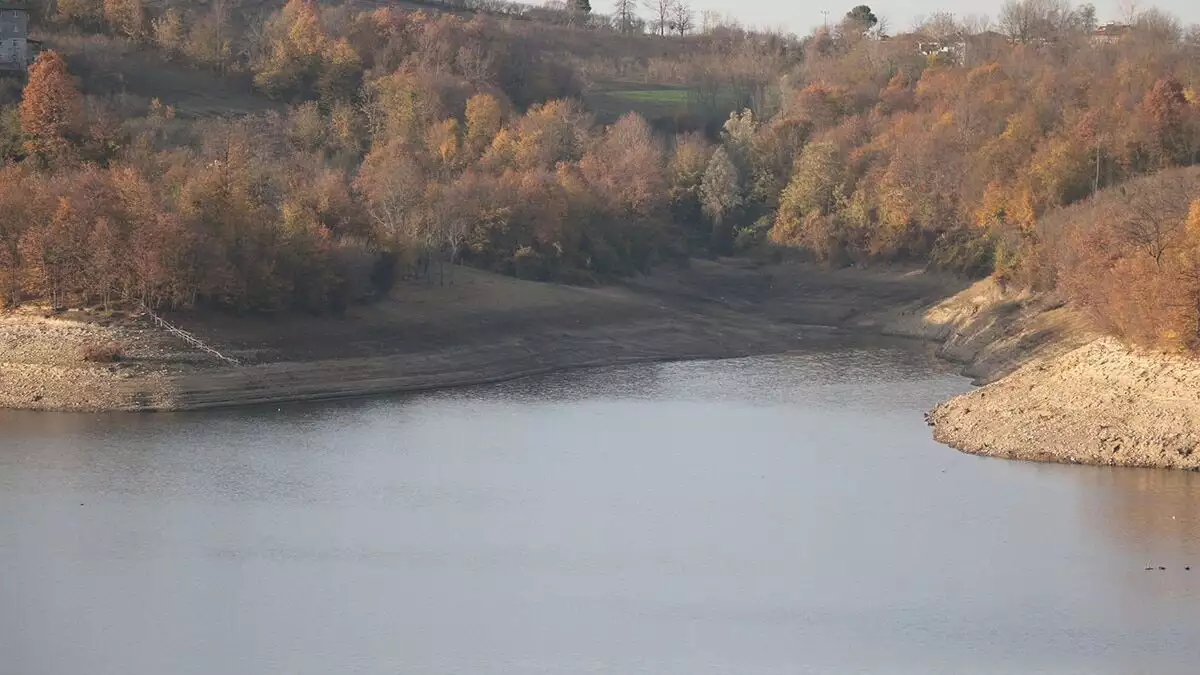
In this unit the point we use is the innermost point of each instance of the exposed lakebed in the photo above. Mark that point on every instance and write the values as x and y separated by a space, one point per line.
764 515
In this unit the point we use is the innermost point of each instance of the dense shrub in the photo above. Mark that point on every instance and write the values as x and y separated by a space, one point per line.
105 352
1131 258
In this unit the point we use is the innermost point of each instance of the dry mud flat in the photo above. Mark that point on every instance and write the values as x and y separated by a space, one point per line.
482 328
487 328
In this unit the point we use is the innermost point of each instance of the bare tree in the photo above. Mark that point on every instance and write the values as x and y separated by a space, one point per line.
451 222
221 24
1164 28
254 39
1025 21
660 15
880 30
941 27
1156 213
1193 36
681 18
974 24
1128 10
1018 21
625 14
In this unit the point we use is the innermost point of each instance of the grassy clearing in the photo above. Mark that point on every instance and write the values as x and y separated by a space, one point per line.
655 96
614 99
611 100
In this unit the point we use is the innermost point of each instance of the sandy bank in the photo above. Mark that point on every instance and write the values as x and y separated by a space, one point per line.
1057 391
483 328
1098 404
41 364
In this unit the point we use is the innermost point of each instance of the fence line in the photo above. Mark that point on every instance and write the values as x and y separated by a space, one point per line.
188 337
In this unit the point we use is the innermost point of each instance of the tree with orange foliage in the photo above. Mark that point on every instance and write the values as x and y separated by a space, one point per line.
340 71
484 118
393 183
291 61
51 108
625 168
1166 109
443 145
208 42
1193 222
88 13
126 17
550 133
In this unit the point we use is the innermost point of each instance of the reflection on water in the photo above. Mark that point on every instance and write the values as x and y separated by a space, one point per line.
1150 508
769 515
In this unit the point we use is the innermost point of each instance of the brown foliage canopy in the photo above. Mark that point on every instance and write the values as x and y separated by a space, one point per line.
1131 257
51 107
427 163
418 139
953 158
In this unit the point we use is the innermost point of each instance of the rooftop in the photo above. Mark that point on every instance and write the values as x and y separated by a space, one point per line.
1113 29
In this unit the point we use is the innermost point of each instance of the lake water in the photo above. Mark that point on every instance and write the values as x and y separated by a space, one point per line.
781 515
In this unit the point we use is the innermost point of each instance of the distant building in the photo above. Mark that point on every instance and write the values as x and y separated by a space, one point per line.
963 49
14 36
953 49
1111 33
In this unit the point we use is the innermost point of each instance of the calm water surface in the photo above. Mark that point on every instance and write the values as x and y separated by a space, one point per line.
769 515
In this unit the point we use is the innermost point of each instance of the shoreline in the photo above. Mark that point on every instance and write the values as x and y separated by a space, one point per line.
487 329
386 381
1100 404
1053 389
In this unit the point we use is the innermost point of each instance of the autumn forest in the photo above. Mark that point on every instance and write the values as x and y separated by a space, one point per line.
395 142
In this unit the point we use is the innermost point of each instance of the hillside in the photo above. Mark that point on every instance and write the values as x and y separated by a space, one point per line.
247 166
371 142
106 65
605 62
1124 264
483 327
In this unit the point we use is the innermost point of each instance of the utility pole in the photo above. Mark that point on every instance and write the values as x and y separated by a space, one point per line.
825 13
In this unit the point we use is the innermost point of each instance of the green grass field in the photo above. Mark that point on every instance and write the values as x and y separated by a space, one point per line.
654 96
611 100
